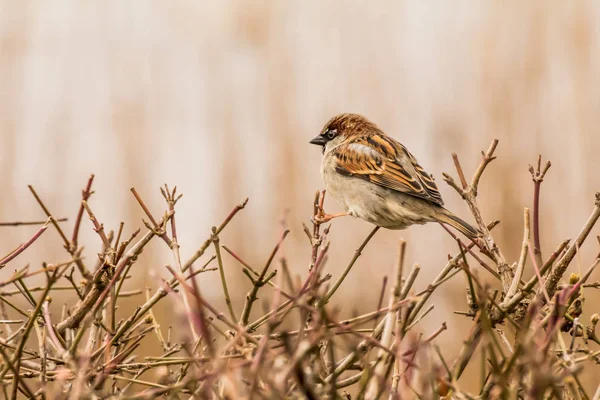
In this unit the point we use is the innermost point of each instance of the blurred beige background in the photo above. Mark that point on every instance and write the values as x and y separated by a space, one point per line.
221 99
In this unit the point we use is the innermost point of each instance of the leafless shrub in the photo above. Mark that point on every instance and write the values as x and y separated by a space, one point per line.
90 351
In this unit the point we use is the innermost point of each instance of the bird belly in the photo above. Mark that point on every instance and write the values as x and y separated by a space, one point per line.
380 206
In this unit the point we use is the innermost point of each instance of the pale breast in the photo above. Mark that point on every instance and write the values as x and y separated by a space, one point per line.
370 202
357 196
336 185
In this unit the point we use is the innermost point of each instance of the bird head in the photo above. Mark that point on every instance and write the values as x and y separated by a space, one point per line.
342 127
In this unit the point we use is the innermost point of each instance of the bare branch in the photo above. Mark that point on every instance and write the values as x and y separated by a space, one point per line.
10 256
522 258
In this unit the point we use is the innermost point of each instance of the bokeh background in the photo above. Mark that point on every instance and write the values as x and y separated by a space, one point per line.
221 99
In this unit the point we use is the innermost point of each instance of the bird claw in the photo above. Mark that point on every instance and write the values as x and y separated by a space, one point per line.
323 217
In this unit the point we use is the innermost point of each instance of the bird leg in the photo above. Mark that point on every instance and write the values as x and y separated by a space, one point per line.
322 217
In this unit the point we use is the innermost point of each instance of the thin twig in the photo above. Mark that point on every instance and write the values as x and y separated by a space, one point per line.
522 258
537 175
216 241
85 195
27 223
23 246
377 382
566 259
72 251
357 254
259 282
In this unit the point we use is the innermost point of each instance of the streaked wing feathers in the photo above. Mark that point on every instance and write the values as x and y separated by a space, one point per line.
385 162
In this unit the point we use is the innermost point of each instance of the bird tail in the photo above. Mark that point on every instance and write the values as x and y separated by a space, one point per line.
447 217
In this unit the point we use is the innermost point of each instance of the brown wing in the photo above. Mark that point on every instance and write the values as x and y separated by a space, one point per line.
425 178
385 162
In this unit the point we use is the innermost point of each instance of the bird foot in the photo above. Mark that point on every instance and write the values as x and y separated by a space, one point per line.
323 217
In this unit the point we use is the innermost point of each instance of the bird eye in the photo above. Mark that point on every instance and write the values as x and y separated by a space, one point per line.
331 134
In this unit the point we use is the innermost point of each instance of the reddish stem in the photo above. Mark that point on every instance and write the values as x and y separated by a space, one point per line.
23 246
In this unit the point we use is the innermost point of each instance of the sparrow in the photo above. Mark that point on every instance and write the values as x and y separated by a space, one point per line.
376 178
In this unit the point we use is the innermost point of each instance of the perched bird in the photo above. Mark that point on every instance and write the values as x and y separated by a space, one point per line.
375 178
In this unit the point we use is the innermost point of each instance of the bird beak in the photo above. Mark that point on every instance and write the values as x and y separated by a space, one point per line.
319 141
